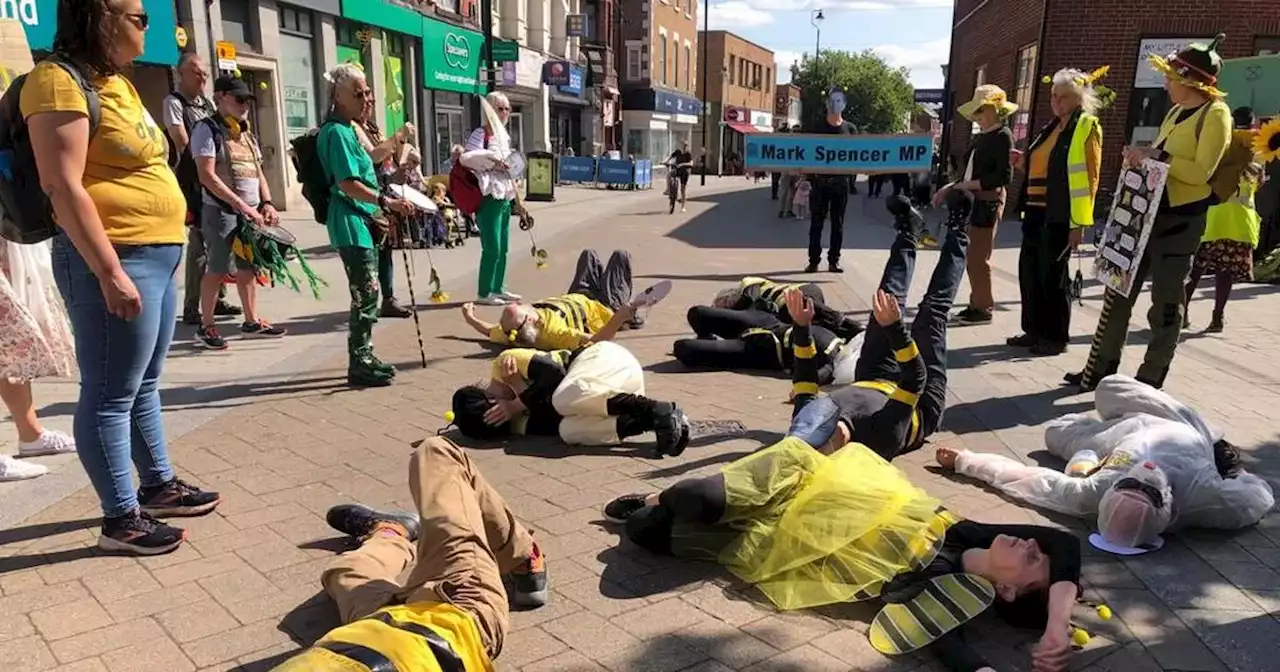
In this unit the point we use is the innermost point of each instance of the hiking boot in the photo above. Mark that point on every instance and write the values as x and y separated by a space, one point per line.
209 338
672 427
366 373
393 308
381 366
527 585
177 498
224 309
620 508
359 521
973 316
906 219
140 534
1021 341
261 329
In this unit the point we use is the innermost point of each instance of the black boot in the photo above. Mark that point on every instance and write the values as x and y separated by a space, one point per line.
959 207
633 425
672 427
638 414
906 219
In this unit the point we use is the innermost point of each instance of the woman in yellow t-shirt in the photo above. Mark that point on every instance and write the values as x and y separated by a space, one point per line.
121 214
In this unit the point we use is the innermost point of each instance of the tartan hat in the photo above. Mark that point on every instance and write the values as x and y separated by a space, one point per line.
1196 66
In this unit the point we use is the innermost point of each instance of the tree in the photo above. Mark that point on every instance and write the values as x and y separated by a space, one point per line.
879 97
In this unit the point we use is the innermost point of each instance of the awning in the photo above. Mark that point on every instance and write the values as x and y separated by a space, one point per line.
742 127
763 129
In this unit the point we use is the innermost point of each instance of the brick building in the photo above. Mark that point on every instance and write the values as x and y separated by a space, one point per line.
1014 43
786 105
740 94
659 76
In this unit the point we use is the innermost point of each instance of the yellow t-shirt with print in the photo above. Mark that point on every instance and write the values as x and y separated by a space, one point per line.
567 322
126 169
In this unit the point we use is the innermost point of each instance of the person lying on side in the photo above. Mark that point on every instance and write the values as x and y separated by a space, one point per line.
754 293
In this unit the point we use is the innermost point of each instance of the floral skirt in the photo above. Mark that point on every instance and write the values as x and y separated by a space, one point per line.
1229 257
35 336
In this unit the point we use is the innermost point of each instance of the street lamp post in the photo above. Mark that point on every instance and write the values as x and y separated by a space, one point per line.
816 21
706 119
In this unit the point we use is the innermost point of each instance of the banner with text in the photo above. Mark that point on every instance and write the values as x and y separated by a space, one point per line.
1128 228
832 154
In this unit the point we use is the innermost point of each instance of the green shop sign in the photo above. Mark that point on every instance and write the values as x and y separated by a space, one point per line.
40 21
451 57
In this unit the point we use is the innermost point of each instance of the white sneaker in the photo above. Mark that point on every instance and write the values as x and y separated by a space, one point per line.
508 296
491 300
49 443
17 470
651 296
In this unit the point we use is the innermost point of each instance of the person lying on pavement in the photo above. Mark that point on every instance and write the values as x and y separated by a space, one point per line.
754 293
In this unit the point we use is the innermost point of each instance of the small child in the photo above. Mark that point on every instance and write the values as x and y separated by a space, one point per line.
800 202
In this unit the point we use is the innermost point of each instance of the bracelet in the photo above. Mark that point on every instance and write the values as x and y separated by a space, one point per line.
263 205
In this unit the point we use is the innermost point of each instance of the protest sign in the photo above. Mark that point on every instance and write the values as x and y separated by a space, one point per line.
1128 228
836 154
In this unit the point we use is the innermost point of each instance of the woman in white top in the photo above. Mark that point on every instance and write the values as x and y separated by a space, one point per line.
486 152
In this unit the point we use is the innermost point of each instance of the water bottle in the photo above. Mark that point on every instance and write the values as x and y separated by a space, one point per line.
1082 464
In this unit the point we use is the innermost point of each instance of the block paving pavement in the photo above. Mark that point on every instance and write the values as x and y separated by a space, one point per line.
244 593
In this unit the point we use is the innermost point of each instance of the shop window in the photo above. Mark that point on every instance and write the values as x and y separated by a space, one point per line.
662 58
980 76
768 81
447 5
633 62
733 69
295 21
1024 88
688 59
449 132
238 24
1263 46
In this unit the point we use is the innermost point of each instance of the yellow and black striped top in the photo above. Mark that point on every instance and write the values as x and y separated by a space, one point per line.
763 294
566 322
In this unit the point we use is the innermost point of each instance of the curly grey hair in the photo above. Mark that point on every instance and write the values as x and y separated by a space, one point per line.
1073 80
341 76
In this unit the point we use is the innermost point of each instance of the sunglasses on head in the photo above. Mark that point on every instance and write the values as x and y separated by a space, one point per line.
141 19
1151 492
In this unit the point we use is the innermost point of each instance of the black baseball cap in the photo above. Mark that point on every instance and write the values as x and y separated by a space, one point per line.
232 85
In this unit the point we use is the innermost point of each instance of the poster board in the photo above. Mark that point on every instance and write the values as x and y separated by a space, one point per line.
1253 81
15 55
838 154
1128 227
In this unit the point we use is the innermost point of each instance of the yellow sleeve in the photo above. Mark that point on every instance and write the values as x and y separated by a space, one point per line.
1215 138
522 357
1093 158
497 335
556 336
50 89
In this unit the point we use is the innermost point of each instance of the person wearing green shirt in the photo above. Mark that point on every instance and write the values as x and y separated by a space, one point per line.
355 218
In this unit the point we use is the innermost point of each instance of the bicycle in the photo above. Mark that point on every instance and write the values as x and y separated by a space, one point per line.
673 185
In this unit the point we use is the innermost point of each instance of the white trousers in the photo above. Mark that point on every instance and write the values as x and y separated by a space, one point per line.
598 373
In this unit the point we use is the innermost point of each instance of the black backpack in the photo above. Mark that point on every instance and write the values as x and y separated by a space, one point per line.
316 184
184 166
26 215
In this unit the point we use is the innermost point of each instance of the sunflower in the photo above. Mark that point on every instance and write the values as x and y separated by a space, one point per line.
1266 142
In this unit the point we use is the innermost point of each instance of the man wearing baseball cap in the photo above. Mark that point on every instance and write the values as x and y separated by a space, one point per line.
229 164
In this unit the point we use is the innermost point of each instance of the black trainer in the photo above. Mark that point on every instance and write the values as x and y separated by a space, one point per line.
527 586
834 267
177 498
620 508
905 216
812 267
672 427
140 534
208 337
224 309
355 520
1021 341
973 316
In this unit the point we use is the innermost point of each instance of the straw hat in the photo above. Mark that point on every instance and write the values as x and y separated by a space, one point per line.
1196 66
988 94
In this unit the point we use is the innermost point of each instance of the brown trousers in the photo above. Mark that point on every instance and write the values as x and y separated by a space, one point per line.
469 539
982 242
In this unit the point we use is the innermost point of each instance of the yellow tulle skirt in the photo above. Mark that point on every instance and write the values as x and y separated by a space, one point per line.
809 529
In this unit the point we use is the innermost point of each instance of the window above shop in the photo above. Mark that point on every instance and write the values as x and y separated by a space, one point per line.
238 23
393 43
295 21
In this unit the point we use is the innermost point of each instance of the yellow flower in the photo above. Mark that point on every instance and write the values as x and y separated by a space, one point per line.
439 297
1266 142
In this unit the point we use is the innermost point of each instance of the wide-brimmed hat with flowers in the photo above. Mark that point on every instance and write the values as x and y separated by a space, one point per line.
1196 66
988 94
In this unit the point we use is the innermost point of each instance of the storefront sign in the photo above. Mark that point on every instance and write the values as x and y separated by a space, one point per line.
506 51
1147 77
227 57
383 14
667 101
575 25
1125 235
40 21
576 76
832 154
929 96
556 73
762 120
525 72
451 57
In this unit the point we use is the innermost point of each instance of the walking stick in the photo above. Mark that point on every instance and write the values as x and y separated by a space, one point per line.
413 299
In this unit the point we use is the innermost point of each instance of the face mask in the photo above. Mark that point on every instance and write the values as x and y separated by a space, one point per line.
835 102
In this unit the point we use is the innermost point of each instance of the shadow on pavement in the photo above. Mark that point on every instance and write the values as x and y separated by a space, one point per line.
1023 410
201 395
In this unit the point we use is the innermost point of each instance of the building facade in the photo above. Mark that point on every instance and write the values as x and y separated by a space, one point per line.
740 97
659 79
786 106
1015 43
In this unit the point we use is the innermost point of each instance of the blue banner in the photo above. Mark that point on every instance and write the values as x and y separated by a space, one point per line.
40 21
577 168
832 154
644 174
614 171
574 87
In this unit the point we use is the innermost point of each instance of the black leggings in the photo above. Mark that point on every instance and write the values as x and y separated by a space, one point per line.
729 350
693 500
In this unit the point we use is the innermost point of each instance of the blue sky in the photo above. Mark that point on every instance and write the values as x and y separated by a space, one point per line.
911 33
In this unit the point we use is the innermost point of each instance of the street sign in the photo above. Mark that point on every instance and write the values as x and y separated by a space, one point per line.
932 96
575 25
506 51
227 56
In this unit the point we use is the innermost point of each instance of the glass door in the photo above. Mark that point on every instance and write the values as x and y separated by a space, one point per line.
449 132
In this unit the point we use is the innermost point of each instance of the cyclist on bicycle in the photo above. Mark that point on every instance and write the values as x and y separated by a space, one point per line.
681 161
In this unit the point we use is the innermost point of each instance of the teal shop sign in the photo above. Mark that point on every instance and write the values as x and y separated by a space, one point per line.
451 57
40 20
381 14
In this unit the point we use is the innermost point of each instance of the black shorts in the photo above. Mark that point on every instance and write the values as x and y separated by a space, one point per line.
683 177
985 214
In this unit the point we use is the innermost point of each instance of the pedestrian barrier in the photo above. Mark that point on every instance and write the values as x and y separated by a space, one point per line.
576 169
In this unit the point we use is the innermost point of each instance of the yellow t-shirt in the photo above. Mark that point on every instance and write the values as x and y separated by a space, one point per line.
126 170
567 322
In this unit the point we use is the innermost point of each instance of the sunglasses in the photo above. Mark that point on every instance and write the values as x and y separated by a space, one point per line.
1150 491
140 19
503 109
243 100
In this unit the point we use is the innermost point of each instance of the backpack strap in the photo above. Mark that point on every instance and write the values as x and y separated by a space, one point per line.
93 102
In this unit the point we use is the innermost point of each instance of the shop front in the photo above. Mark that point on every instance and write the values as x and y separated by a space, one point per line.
656 122
521 81
570 114
380 36
736 123
451 75
298 72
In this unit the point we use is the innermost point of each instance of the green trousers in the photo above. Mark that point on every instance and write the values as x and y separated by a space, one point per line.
494 221
361 265
1167 261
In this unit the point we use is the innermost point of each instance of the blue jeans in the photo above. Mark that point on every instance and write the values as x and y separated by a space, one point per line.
117 420
816 422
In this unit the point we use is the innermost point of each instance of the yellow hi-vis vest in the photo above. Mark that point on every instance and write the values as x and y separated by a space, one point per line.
1235 218
1078 172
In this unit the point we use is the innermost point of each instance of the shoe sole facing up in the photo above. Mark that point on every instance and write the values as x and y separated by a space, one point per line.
115 545
181 511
